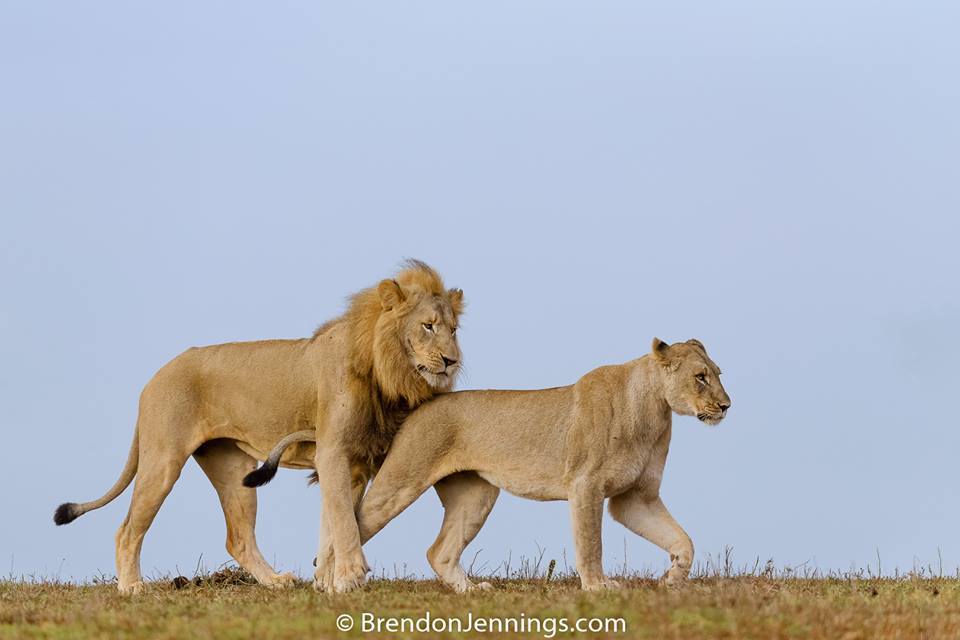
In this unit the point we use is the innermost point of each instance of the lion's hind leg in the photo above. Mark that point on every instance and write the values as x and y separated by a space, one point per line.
467 501
156 476
225 465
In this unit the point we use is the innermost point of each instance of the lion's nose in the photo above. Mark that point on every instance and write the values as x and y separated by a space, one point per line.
448 362
724 406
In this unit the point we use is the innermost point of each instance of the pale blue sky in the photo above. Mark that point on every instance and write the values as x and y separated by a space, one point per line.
779 180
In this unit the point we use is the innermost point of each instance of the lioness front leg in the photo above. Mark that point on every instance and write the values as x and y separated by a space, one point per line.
648 517
586 510
398 483
341 532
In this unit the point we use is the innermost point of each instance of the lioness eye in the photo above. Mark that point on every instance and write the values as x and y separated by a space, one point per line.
701 378
428 327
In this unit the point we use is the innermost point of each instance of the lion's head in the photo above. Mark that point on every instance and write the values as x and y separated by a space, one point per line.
691 380
404 334
420 317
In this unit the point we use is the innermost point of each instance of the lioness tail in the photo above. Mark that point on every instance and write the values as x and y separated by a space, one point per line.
263 475
70 511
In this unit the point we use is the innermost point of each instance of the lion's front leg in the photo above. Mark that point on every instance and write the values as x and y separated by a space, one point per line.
324 562
340 529
647 516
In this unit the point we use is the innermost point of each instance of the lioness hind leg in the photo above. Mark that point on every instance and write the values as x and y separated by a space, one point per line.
467 501
648 517
225 465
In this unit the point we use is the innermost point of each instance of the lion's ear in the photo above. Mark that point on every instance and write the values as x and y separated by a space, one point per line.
456 300
697 343
391 295
661 351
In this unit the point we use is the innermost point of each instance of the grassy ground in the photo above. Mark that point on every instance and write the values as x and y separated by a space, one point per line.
707 607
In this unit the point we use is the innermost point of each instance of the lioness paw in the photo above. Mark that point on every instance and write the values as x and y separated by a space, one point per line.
601 585
133 588
673 579
465 586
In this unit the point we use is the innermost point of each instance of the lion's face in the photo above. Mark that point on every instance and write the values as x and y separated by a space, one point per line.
427 330
691 381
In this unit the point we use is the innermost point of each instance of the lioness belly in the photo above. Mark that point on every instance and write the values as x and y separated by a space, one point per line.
530 488
299 456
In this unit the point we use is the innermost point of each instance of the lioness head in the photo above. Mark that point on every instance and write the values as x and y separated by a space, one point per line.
691 380
423 317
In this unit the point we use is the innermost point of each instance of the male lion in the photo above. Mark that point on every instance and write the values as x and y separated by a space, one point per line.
606 436
352 383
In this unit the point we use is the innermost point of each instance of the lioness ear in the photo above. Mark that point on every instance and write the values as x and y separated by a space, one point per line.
456 300
391 295
697 343
661 351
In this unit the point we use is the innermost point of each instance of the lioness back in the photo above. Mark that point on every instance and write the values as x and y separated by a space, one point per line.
491 424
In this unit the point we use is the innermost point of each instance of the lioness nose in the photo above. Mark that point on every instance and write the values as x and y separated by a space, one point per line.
724 406
448 361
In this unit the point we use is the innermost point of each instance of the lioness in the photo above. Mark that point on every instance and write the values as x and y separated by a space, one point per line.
606 436
352 384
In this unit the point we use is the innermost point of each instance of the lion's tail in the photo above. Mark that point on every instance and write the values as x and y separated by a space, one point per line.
263 475
70 511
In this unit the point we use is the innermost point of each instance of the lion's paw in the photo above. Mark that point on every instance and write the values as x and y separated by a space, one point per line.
280 580
349 581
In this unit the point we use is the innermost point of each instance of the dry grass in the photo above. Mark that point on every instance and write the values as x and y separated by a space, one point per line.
720 602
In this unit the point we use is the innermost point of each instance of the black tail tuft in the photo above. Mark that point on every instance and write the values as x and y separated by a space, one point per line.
66 513
313 478
261 476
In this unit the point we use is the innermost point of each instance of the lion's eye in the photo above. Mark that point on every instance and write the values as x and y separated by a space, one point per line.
701 378
428 326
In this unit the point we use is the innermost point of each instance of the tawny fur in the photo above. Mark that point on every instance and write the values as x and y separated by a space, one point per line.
352 384
606 436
